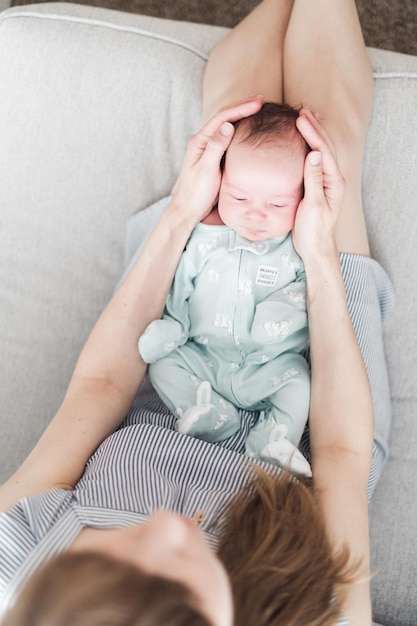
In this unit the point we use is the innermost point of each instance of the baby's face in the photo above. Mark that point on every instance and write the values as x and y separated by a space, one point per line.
261 189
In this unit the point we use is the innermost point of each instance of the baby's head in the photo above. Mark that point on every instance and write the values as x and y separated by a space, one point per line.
262 182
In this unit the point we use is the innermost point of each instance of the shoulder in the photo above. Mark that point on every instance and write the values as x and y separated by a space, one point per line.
28 534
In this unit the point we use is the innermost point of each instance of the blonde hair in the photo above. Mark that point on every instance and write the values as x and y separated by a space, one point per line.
274 546
282 567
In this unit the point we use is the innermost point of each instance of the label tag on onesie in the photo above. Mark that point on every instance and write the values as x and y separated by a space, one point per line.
267 275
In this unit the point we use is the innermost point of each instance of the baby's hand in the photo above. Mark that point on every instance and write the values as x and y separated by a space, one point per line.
160 338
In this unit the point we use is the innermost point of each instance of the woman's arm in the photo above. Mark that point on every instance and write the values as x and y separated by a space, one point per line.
110 370
341 419
341 412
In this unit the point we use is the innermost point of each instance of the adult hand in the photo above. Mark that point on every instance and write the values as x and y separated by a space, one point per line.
198 184
315 223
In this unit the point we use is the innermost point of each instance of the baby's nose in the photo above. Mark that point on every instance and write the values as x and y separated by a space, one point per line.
256 211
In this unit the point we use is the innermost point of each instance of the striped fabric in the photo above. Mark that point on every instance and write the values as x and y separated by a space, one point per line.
166 470
370 298
173 471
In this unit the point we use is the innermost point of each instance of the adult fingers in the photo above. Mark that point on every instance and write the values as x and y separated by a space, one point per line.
232 113
217 145
201 142
317 138
313 178
315 122
200 177
201 166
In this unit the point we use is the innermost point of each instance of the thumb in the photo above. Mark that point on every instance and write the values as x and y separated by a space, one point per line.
218 144
313 176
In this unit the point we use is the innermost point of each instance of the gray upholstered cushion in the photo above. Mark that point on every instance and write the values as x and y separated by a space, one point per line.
95 111
390 195
94 120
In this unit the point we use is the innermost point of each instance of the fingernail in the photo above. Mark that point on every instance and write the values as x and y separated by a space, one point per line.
315 158
226 129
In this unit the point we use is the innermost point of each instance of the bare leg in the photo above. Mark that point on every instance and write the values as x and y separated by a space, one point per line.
326 68
323 65
249 60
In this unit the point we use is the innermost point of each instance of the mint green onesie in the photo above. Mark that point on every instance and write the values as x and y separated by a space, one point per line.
232 336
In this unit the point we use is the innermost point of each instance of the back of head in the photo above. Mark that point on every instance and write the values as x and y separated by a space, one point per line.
88 588
282 566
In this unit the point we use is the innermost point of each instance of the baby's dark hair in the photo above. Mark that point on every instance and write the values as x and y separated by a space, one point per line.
275 123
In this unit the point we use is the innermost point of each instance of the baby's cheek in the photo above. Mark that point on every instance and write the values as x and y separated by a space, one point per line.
284 223
227 214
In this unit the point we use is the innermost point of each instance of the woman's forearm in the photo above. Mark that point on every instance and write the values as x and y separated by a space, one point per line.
341 425
341 412
111 352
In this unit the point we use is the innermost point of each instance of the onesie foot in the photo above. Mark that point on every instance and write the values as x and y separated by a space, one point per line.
195 413
212 419
280 451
